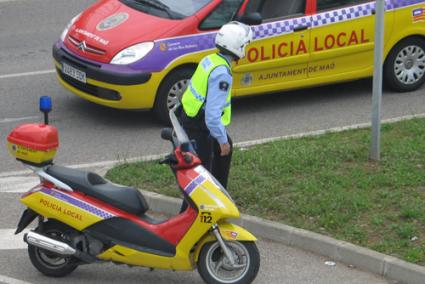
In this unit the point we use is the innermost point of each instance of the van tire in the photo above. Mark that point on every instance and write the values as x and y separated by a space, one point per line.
401 60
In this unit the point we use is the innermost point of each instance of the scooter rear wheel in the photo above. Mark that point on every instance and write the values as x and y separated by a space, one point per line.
48 263
215 268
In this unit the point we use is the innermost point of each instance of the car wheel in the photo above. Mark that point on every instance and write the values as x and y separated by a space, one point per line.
404 69
170 92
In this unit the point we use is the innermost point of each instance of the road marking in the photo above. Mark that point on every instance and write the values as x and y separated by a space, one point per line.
2 1
7 120
18 184
10 241
34 73
22 181
8 280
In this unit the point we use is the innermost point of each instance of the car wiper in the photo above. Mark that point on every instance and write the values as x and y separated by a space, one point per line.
158 5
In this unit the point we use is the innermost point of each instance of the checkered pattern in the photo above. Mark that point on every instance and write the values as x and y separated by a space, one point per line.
402 3
78 203
326 18
195 93
157 60
342 15
279 28
207 41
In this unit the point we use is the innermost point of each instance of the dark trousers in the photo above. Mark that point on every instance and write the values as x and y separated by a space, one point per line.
209 151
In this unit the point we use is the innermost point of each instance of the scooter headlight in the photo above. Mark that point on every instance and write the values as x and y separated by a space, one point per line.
132 53
68 26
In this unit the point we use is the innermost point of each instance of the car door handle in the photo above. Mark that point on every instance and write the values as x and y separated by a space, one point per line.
300 28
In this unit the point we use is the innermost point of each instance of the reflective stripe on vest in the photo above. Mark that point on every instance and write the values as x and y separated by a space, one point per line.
194 97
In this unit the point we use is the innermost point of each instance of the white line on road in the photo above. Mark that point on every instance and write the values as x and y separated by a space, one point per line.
2 1
22 181
8 280
18 184
10 241
7 120
34 73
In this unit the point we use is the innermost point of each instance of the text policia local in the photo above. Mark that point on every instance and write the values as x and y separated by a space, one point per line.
285 49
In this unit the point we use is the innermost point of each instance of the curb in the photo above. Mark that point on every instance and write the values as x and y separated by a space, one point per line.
362 258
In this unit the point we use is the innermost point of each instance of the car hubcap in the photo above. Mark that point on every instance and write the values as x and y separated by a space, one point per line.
409 66
176 92
219 266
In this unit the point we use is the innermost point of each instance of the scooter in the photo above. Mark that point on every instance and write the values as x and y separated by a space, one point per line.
83 218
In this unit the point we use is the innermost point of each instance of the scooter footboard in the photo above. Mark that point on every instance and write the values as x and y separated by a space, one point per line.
229 232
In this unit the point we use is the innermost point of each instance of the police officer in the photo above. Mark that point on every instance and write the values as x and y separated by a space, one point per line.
207 100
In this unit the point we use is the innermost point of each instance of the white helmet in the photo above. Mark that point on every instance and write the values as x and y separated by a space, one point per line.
233 37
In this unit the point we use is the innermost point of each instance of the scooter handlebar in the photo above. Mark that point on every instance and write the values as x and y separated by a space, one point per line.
169 160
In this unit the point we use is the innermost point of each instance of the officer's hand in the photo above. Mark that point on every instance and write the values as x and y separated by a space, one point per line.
225 149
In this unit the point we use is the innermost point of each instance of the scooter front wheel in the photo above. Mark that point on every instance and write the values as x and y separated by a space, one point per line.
215 268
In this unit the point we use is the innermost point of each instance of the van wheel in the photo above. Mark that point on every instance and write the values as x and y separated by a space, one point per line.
404 69
49 263
170 92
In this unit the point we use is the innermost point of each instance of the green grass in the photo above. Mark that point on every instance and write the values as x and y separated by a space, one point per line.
327 184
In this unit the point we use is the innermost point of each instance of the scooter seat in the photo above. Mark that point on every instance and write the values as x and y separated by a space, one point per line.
128 199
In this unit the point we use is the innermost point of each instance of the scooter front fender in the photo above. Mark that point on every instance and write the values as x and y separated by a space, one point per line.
229 232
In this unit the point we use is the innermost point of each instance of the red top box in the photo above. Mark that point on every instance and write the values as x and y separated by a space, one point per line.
39 137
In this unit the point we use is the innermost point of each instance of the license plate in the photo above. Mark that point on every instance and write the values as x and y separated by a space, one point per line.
74 73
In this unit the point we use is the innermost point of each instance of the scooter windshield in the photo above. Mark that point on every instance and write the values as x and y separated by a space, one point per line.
205 173
180 134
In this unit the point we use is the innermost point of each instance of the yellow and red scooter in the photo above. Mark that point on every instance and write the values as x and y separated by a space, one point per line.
82 218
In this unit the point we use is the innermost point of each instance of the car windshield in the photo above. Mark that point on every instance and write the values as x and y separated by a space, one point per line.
170 9
185 7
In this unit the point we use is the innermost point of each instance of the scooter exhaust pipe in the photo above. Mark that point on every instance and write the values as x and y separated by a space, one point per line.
49 244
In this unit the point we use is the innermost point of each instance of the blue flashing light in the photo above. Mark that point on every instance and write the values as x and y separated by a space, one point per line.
45 104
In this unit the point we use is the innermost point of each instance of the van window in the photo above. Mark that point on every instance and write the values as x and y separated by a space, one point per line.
272 9
224 13
323 5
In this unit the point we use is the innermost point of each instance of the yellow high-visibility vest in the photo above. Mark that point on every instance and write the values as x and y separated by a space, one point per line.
195 95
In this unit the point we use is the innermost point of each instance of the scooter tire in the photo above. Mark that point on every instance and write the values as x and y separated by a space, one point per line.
212 251
43 260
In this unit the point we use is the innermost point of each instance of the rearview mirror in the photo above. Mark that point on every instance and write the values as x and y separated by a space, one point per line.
251 19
